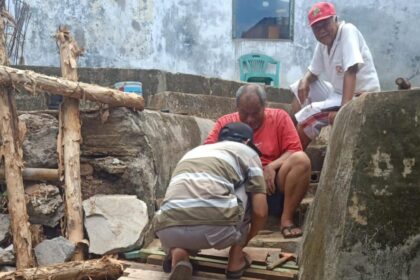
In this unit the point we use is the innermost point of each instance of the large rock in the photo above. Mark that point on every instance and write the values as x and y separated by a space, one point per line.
4 227
45 205
204 106
7 256
57 250
364 223
39 147
114 223
130 153
147 144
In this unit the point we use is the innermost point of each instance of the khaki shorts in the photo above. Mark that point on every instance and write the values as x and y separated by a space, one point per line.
197 237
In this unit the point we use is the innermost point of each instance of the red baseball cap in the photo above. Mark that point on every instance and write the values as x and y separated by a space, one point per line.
320 11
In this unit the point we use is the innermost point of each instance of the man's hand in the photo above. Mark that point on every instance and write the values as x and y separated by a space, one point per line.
331 117
303 87
303 90
270 177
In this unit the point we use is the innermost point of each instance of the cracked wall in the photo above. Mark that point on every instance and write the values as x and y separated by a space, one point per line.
195 36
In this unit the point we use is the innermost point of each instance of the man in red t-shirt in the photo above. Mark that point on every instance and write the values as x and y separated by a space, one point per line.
286 167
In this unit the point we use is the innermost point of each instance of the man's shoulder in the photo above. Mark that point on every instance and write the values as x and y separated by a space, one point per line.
275 113
349 29
225 119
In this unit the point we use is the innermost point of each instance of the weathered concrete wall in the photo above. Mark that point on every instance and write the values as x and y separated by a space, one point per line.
364 223
196 36
154 81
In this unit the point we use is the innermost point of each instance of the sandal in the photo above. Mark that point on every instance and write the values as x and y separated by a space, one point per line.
237 274
288 231
182 271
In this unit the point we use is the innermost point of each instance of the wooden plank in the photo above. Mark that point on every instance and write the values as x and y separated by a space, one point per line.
256 271
258 256
133 269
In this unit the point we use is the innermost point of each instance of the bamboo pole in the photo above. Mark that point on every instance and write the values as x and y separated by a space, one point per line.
34 82
35 174
70 137
12 153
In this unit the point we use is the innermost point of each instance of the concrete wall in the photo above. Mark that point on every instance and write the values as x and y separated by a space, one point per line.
363 223
196 36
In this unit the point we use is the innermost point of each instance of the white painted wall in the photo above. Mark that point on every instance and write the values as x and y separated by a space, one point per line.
195 36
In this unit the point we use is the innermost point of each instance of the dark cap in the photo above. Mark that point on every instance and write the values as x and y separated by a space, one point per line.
238 132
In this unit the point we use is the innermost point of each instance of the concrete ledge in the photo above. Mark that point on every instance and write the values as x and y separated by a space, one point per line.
155 81
204 106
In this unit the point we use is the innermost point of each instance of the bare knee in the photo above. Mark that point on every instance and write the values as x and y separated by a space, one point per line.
299 160
296 167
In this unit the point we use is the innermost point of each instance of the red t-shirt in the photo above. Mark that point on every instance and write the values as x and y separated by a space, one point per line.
276 135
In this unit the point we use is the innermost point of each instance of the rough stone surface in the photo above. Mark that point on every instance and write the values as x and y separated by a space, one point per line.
364 221
114 223
53 251
148 143
204 106
7 256
4 227
7 268
45 205
131 153
39 147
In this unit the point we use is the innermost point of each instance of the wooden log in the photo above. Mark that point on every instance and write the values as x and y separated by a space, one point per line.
70 137
35 174
12 154
105 268
35 82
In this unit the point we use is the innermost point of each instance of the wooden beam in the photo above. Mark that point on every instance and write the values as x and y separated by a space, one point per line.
105 268
35 174
11 151
70 137
35 82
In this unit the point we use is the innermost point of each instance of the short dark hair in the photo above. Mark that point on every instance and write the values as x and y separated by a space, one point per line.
248 88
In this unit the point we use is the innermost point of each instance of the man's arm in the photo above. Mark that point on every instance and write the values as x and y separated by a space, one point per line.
259 214
349 85
270 171
303 88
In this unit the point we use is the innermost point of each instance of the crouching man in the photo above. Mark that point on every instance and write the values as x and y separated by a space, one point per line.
216 199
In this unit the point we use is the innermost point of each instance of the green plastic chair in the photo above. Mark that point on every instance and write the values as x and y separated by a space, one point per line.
253 68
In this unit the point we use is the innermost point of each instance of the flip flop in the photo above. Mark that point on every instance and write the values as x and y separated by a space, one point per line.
288 231
237 274
182 271
167 263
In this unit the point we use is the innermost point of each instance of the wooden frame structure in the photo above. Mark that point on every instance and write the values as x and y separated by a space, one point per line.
68 145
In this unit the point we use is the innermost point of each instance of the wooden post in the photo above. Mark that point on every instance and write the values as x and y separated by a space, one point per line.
13 163
70 139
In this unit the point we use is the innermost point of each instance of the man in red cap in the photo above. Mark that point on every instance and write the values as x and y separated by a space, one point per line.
345 61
